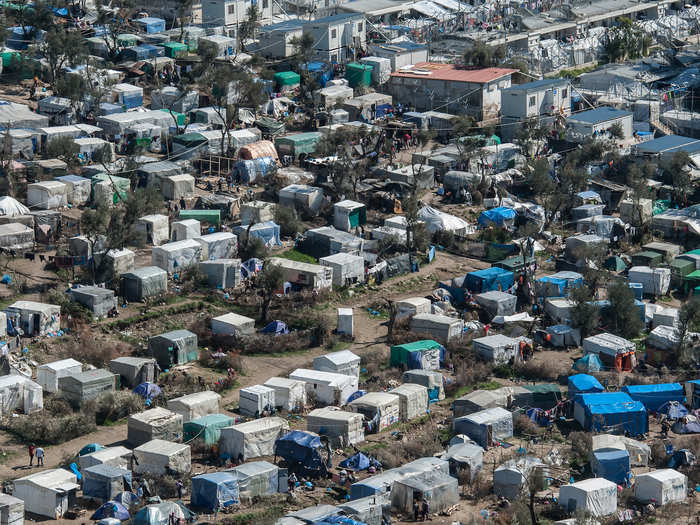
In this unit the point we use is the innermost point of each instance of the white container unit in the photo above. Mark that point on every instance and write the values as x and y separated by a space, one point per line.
47 375
256 399
326 387
290 394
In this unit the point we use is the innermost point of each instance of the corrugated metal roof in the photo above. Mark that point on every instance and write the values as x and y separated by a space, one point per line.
435 71
598 115
669 144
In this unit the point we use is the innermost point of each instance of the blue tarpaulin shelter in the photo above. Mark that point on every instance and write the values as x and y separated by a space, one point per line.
488 279
558 284
339 520
673 410
151 24
89 449
614 412
301 451
612 464
251 170
111 509
583 384
215 490
588 363
148 390
500 216
653 397
126 498
275 327
356 462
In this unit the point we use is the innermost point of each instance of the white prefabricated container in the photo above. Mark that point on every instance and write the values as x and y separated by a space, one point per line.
47 195
186 229
196 405
497 348
155 228
219 245
256 399
290 394
20 393
440 327
343 362
47 493
341 428
412 306
347 268
177 256
497 303
47 375
345 322
661 487
326 387
160 457
383 404
113 456
413 400
596 496
655 281
233 324
252 439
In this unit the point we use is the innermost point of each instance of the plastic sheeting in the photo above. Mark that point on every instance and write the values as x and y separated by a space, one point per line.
653 397
596 496
423 355
655 281
611 464
497 303
207 428
512 477
441 491
158 514
497 348
173 348
488 279
661 487
253 439
583 384
10 207
494 422
340 427
614 412
607 344
436 220
176 256
301 451
102 482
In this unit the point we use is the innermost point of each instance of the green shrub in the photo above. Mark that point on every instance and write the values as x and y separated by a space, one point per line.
51 430
113 406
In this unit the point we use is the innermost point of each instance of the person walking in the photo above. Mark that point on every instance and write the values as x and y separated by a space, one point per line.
31 450
424 510
180 487
39 456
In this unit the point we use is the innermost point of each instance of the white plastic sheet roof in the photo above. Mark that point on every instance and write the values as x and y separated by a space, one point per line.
431 9
10 207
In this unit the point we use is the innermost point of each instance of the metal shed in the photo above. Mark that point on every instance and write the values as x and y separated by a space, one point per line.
88 385
173 348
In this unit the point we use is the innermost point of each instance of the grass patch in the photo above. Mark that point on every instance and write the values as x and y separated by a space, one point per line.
373 446
122 324
268 514
296 255
279 354
484 385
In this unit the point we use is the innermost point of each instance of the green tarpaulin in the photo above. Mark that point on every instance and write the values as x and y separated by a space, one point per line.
660 206
207 428
400 354
122 185
210 216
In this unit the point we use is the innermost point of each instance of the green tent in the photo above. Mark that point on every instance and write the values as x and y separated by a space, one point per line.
211 216
207 428
174 49
544 396
692 252
414 355
298 143
647 258
9 56
122 185
358 74
615 264
287 78
181 120
189 140
681 267
269 126
691 280
515 264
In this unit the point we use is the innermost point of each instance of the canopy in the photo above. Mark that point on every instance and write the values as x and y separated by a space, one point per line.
275 327
111 509
89 449
356 462
148 390
588 363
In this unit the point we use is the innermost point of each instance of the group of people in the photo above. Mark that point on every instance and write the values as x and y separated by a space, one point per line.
38 452
420 510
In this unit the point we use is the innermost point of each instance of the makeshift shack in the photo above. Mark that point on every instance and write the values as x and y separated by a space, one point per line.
214 491
16 236
613 412
479 400
440 490
98 300
487 427
207 428
290 394
82 387
370 510
559 310
156 423
233 324
342 362
655 281
142 283
348 215
301 275
347 268
186 229
159 457
514 476
259 478
412 306
256 399
47 375
422 355
661 487
326 387
133 371
219 245
47 195
50 493
177 256
177 187
35 319
654 397
595 496
497 303
77 189
380 409
195 405
155 229
562 336
466 460
440 327
614 351
119 262
20 393
113 456
103 482
558 284
341 428
222 273
173 348
497 348
252 439
639 453
430 379
611 464
301 452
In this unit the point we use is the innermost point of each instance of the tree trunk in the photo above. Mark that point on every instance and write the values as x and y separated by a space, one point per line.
533 514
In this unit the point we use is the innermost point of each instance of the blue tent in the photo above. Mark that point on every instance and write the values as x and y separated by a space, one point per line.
126 498
215 490
538 416
488 279
251 267
614 412
583 384
654 396
612 464
673 410
302 451
148 390
275 327
357 394
338 520
89 449
111 509
356 462
588 363
497 216
681 457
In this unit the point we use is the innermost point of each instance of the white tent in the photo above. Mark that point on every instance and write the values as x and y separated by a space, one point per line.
18 392
380 405
661 487
326 387
252 439
47 375
219 245
597 496
156 423
233 324
155 228
47 195
486 426
412 306
196 405
176 256
10 207
512 476
497 303
186 229
655 281
160 457
113 456
442 328
558 309
11 510
47 493
497 348
340 427
290 394
413 400
436 220
256 399
343 362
